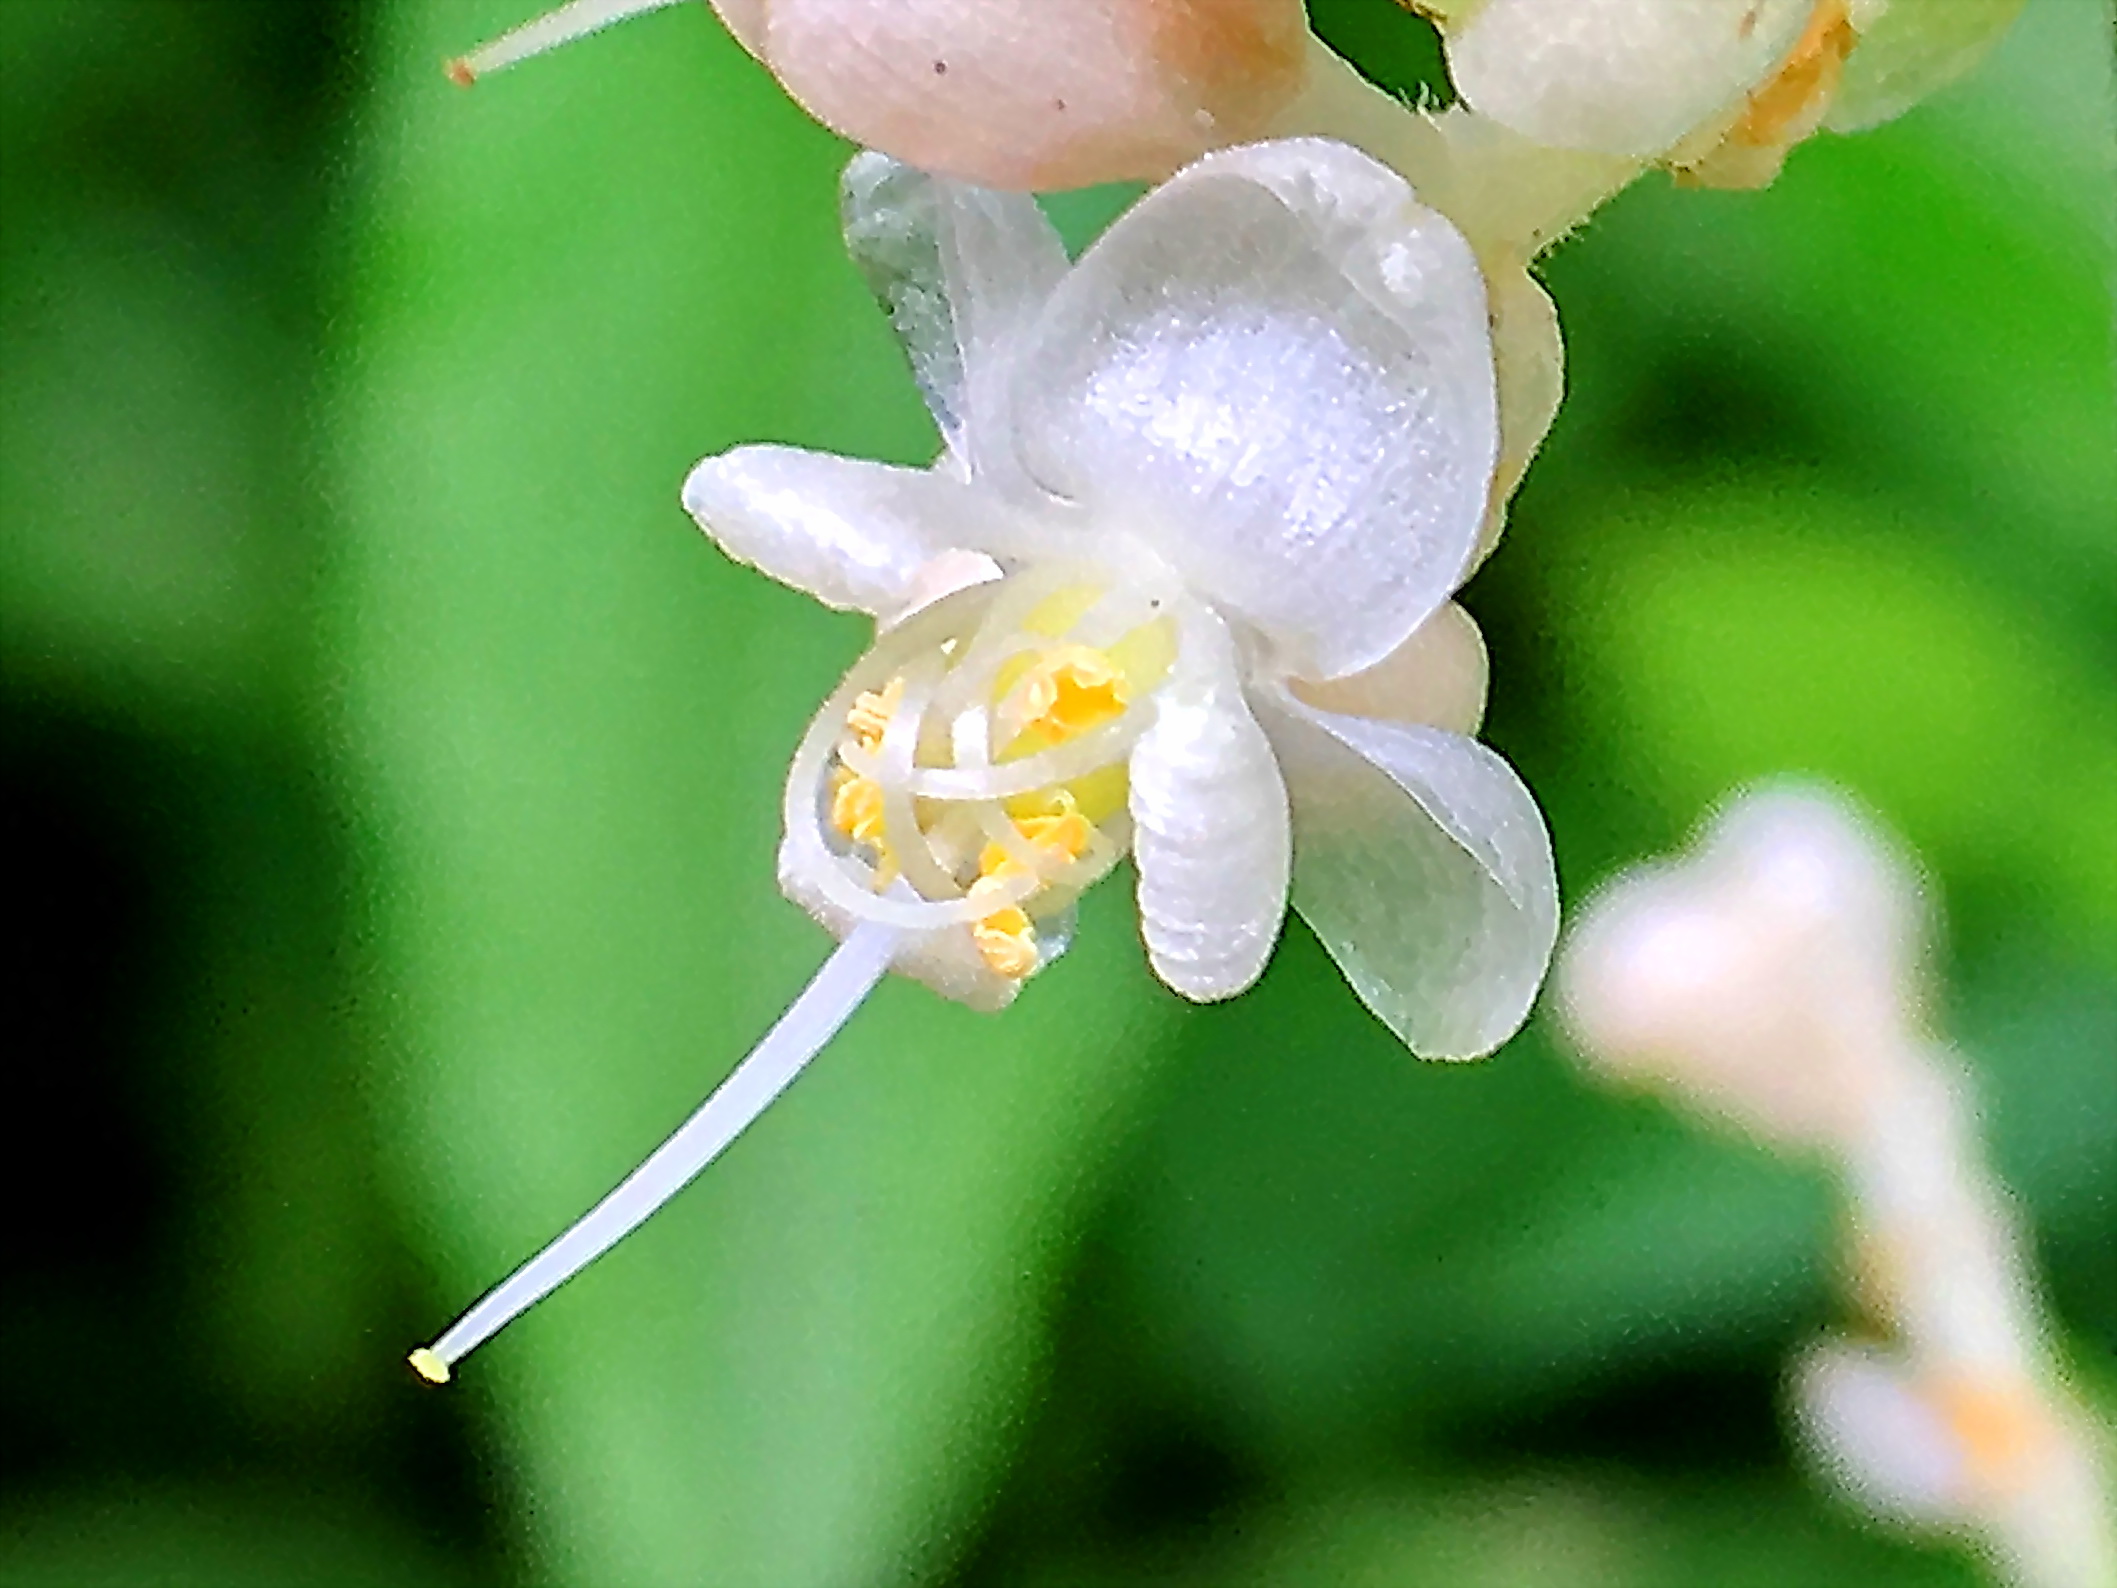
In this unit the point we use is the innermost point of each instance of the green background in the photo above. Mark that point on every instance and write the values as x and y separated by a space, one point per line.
392 783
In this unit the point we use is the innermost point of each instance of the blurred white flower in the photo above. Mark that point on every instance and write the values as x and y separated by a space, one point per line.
1768 976
1721 89
1773 978
1219 497
1993 1457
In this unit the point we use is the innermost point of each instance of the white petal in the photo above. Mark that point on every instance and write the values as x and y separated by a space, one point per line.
1210 841
850 533
1888 1445
961 271
1624 77
1529 358
1276 369
1436 678
1424 866
1911 49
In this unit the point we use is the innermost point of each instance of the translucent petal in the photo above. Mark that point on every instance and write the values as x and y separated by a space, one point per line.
1529 360
1210 841
850 533
1912 49
961 272
1436 678
1300 416
1424 866
1624 77
1887 1444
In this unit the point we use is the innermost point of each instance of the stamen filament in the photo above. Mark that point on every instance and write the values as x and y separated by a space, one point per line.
575 20
824 1006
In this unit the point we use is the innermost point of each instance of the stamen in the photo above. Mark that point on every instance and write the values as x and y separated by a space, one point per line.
573 21
1006 939
824 1006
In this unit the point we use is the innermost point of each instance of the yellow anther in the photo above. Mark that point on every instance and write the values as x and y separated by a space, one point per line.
869 718
1006 939
1060 835
1065 692
856 807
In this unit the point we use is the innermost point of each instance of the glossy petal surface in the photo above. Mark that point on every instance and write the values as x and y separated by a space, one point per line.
1423 865
848 532
1300 417
1211 843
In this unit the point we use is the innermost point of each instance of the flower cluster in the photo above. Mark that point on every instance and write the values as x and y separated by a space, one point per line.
1179 586
1772 980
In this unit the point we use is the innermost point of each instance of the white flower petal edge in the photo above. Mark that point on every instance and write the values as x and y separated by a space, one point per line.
1622 77
1300 416
1423 864
1910 49
853 534
961 271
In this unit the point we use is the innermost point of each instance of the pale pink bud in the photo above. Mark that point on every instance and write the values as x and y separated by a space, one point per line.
1022 94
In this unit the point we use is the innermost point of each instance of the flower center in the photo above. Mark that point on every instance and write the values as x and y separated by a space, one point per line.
971 772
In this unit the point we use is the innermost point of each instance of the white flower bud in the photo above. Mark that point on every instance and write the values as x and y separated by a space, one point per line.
1766 978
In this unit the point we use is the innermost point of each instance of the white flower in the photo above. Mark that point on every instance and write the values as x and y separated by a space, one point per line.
1218 479
1179 585
1719 88
1768 976
1999 1457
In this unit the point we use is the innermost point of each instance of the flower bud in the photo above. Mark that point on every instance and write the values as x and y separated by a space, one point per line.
1767 978
1024 94
1017 94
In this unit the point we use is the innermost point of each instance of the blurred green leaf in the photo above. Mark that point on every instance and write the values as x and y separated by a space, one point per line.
224 1536
1757 631
572 719
1552 1530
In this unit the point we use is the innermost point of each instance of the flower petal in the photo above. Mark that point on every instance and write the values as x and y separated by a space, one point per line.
850 533
1529 359
1436 678
1298 414
960 271
1029 94
1912 49
1210 840
1423 865
1625 77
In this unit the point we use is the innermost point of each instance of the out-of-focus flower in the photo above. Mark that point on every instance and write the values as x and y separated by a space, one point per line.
1219 497
1019 94
1772 978
1766 976
1720 89
1996 1458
